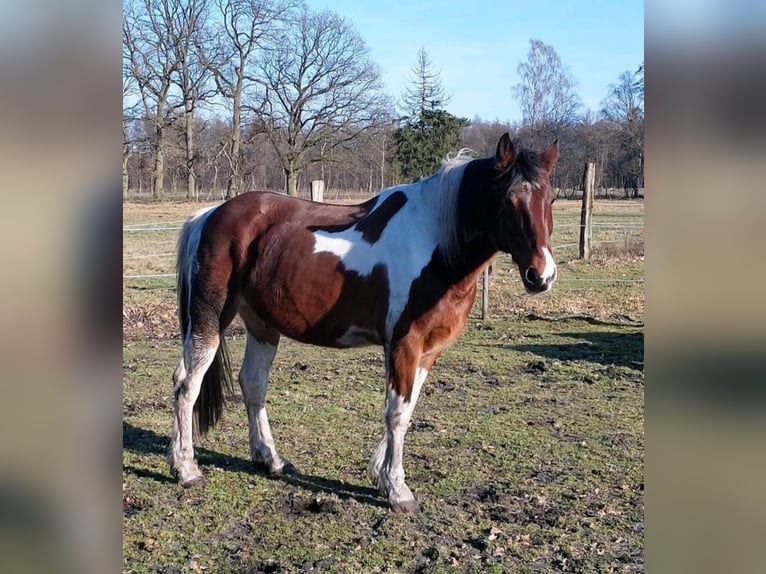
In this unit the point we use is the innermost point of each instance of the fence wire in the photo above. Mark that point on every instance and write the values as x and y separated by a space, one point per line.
138 280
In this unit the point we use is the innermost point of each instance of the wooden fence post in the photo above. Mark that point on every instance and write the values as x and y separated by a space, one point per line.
317 190
485 293
586 215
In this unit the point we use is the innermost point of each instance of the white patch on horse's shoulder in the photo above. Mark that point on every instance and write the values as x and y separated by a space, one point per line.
332 243
404 248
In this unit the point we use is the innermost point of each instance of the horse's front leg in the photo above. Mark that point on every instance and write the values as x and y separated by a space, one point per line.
406 373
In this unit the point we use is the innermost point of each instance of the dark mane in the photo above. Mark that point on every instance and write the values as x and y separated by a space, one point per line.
527 166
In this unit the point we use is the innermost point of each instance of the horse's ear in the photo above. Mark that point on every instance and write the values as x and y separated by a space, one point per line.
548 157
505 154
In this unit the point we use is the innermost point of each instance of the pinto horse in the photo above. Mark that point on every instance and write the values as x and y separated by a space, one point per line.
399 270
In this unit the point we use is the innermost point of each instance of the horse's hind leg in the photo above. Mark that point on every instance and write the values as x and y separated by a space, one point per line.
197 357
261 347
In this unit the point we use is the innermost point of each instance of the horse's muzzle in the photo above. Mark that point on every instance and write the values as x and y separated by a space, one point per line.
536 283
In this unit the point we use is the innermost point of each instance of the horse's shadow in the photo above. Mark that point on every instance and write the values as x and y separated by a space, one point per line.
606 348
145 441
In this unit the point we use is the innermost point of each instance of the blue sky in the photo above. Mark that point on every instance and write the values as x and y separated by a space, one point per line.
478 44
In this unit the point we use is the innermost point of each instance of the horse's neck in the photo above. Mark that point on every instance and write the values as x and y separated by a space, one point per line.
473 247
475 255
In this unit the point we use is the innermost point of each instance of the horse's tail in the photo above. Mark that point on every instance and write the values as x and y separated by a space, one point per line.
208 408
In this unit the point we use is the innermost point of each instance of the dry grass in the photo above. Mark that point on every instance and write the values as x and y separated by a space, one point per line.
611 285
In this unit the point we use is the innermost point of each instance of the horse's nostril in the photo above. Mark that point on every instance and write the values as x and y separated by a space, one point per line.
531 275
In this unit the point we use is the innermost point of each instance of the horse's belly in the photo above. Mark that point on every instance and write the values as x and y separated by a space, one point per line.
319 319
358 337
310 298
332 337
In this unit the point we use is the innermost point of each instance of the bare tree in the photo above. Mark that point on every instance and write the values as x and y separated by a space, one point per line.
129 115
192 41
247 28
163 45
374 150
319 87
623 108
545 92
381 143
623 103
149 57
482 136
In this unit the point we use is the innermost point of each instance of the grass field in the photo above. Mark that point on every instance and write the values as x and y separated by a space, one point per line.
525 451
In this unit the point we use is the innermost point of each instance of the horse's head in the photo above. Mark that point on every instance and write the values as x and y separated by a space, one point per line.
524 222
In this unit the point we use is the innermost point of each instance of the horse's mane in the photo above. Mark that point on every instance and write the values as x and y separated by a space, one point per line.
450 175
526 167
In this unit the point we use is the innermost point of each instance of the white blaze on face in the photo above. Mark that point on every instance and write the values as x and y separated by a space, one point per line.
550 266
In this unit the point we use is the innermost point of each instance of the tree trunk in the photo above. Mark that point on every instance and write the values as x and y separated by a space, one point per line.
191 180
125 179
291 175
233 183
191 186
158 185
383 163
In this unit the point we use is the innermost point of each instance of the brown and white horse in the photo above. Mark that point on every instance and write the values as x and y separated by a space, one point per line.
399 270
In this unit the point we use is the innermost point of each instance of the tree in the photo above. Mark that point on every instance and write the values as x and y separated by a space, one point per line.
425 91
623 108
149 58
429 132
639 82
546 93
248 27
318 87
191 40
129 115
482 136
422 145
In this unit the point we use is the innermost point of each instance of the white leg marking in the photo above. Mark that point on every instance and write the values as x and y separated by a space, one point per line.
254 382
391 476
376 461
188 383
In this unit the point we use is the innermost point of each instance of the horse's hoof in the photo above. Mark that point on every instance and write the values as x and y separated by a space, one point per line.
288 468
405 507
195 481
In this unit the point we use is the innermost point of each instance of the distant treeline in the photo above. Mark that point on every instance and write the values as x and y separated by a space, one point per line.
225 96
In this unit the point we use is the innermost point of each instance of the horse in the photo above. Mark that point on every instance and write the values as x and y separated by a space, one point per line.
399 271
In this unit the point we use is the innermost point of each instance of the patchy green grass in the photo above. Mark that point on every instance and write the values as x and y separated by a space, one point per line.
525 451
